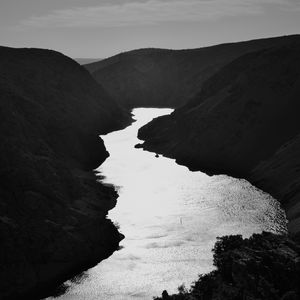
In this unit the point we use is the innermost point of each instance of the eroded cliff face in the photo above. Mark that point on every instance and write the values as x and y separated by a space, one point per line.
52 209
167 78
239 122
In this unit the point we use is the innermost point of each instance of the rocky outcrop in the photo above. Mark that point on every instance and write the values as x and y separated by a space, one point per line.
265 266
244 122
168 78
52 209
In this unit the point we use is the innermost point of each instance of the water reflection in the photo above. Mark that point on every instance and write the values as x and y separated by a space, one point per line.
170 217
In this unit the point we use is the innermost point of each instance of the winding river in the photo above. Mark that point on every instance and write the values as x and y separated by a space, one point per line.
170 217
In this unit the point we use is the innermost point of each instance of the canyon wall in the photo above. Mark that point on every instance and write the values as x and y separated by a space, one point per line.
53 211
244 121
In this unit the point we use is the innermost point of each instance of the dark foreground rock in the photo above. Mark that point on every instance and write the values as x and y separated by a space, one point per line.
263 267
52 209
168 78
244 122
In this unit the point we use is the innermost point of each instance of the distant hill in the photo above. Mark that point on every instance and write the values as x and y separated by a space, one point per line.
52 211
83 61
244 121
167 78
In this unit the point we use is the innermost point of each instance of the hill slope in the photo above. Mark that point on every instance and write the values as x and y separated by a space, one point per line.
167 78
241 117
52 211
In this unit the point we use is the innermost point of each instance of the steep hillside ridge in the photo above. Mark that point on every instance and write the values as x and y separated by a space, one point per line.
62 96
168 78
279 175
52 210
241 117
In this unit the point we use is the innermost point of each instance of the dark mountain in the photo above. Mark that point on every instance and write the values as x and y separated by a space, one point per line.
52 209
244 121
168 78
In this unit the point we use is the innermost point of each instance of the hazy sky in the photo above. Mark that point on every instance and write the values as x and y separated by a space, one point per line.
90 28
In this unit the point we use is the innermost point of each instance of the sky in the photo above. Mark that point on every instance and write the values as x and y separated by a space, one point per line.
99 29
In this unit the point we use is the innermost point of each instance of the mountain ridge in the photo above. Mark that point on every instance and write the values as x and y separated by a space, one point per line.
152 77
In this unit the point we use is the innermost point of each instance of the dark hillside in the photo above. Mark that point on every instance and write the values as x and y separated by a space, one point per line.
168 78
244 121
52 211
241 117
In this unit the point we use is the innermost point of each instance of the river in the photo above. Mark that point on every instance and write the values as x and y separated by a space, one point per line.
170 217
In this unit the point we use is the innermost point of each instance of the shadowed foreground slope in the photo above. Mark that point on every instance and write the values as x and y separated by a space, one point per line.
52 210
263 267
241 117
167 78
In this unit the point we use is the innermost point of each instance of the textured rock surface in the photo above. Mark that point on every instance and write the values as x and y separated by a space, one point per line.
52 210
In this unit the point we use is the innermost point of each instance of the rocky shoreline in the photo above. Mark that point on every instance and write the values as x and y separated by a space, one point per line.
53 275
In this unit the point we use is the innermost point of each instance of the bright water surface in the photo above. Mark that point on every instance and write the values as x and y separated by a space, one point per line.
170 217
